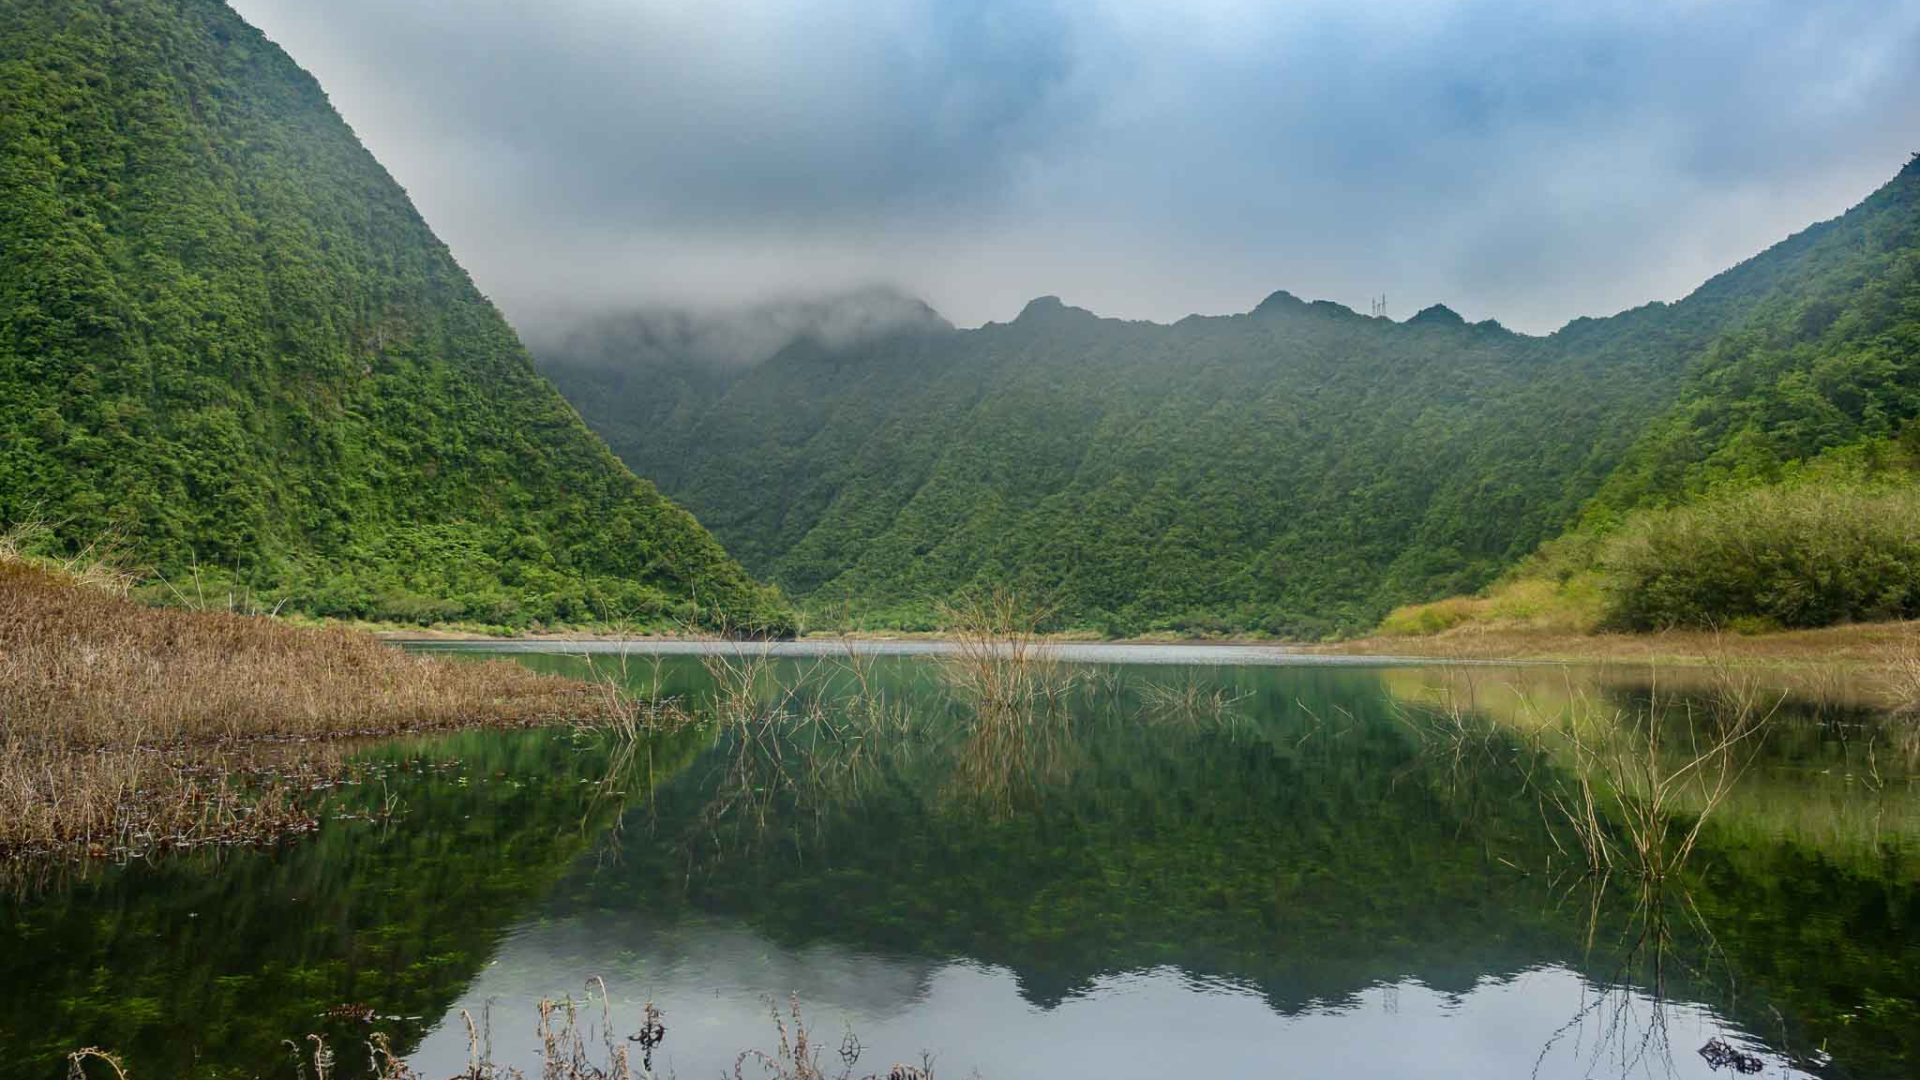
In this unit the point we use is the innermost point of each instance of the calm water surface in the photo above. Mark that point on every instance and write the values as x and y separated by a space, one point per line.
1206 865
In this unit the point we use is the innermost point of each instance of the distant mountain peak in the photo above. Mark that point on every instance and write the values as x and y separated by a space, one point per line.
1437 315
1279 300
1050 307
1335 308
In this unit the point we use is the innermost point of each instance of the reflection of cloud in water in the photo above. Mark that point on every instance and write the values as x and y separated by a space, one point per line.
713 978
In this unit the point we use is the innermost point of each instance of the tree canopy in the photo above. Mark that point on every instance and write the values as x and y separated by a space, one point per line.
228 341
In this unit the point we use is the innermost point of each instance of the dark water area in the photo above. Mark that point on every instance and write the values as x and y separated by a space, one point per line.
1143 870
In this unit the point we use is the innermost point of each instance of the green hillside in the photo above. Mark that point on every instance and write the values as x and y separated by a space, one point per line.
1299 469
1781 488
1833 359
229 341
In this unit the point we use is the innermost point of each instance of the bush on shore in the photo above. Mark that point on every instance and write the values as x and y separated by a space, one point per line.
1833 544
1795 556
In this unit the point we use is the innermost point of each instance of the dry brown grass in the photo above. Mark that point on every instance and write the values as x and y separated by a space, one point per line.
1001 663
119 723
1903 686
1862 646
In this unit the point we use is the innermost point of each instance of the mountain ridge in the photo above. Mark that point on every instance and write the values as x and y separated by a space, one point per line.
1429 453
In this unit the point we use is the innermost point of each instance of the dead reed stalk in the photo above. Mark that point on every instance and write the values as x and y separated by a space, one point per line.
796 1056
573 1048
1001 664
1635 797
1903 689
118 720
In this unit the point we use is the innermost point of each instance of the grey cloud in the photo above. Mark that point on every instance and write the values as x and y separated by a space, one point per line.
736 337
1147 158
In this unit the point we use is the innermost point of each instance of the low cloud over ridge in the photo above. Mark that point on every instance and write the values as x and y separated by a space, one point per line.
1144 158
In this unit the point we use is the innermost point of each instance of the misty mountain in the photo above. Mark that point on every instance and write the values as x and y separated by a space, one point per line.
728 339
229 343
643 379
1299 468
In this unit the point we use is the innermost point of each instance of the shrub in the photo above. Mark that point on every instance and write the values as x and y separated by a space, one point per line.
1802 555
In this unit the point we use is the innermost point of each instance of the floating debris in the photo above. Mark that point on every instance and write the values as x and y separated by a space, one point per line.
1721 1055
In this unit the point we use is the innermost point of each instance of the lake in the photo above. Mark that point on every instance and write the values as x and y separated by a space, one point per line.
1108 863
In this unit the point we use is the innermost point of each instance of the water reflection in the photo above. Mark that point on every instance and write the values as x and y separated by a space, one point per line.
1115 871
1545 1021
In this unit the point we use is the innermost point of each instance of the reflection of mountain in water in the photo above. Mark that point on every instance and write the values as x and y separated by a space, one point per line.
1311 851
204 966
714 978
1303 858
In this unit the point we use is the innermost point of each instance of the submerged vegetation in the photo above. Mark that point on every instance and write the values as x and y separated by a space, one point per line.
1277 829
228 339
571 1046
126 729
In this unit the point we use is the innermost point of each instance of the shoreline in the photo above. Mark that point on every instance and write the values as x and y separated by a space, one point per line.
1860 645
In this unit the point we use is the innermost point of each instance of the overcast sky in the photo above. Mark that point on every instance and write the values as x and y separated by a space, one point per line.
1516 159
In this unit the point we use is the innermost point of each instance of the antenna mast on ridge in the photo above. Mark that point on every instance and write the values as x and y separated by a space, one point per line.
1380 306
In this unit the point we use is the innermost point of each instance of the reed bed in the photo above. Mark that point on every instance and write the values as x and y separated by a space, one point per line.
122 726
1633 786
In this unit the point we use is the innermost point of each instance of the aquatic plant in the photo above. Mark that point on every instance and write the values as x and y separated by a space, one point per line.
1191 703
1634 783
1639 794
1903 691
1001 664
796 1056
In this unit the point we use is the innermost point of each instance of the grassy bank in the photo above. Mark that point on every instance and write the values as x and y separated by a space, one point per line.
1821 566
1886 649
126 729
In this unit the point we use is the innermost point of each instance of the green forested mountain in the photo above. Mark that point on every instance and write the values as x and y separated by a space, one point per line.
646 378
1297 469
1832 360
227 339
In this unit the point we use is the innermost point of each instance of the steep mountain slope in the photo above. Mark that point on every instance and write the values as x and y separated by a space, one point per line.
227 337
1296 469
1831 361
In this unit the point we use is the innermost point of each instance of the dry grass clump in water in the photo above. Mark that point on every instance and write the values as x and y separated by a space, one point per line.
1018 691
118 721
1000 662
1636 785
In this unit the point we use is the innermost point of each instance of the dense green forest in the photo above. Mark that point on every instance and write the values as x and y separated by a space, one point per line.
1833 360
229 343
1298 470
